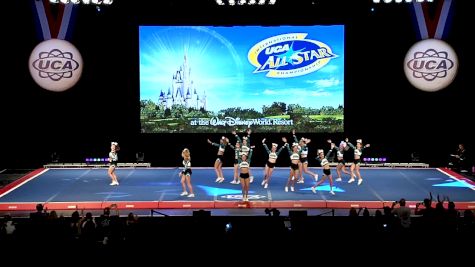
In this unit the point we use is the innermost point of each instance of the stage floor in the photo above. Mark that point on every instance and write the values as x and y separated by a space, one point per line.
160 188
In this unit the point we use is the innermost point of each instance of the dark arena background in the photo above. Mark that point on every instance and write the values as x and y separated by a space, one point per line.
53 144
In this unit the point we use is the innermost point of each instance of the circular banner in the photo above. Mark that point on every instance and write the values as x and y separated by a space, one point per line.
431 65
55 65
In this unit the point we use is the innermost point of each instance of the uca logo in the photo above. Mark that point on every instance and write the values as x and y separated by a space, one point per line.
430 64
55 64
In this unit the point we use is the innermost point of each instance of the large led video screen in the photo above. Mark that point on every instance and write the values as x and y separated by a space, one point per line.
207 79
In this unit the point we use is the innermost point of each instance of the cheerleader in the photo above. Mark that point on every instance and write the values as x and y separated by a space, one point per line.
326 169
303 164
273 154
218 164
355 166
237 152
185 175
294 165
113 158
244 167
245 147
341 166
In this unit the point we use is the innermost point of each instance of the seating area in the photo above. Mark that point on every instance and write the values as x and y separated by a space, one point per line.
269 233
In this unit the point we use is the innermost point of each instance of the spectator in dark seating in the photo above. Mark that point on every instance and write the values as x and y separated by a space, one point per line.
427 211
7 228
88 229
131 227
107 225
468 223
38 224
452 217
402 213
353 213
365 212
40 215
74 225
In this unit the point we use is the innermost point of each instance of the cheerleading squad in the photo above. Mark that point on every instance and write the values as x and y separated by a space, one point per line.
298 153
243 151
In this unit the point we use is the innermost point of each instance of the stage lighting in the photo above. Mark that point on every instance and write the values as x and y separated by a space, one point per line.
251 2
272 2
107 2
415 157
96 2
232 2
54 157
140 156
242 2
86 2
220 2
64 1
261 2
76 2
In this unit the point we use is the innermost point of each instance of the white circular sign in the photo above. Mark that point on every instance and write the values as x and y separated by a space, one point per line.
431 65
55 65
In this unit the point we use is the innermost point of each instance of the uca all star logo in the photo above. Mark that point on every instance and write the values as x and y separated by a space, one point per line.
239 197
289 55
431 65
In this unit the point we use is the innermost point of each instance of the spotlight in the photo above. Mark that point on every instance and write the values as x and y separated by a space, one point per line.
242 2
220 2
232 2
64 1
251 2
262 2
107 2
272 2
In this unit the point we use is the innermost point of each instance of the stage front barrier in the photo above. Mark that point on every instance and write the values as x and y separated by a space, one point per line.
92 165
148 165
387 165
